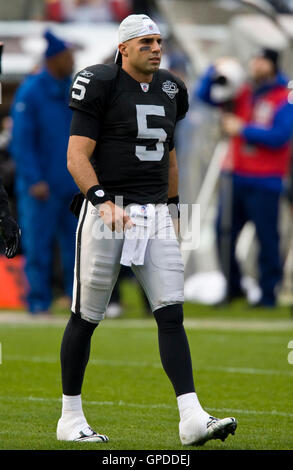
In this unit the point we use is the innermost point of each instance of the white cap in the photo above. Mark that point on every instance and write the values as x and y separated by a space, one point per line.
135 26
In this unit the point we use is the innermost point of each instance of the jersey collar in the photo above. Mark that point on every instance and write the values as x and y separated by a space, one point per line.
131 81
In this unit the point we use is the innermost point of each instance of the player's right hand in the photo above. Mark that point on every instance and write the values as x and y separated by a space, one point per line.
40 190
115 217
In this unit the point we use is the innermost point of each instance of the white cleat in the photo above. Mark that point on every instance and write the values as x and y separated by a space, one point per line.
78 433
193 433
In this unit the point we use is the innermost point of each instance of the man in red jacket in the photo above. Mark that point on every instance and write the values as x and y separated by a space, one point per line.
260 128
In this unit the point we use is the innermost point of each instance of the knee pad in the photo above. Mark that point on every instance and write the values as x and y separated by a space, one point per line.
169 318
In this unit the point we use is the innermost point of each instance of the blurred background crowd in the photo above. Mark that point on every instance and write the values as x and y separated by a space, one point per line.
234 148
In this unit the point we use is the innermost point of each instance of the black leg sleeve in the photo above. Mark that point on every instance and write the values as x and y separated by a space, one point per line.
75 351
174 348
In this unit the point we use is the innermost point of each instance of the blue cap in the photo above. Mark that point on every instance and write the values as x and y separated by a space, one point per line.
55 44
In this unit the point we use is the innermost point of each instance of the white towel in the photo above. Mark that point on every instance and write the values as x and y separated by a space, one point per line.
136 238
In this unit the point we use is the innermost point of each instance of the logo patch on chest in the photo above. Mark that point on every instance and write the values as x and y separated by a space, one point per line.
145 87
170 88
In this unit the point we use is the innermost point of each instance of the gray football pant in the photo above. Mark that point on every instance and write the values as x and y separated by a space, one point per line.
97 265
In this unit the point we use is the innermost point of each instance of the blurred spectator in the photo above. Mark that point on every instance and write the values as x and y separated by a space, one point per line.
95 10
54 10
44 188
259 122
120 9
87 10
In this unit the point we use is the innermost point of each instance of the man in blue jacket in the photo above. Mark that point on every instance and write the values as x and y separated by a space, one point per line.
44 187
258 120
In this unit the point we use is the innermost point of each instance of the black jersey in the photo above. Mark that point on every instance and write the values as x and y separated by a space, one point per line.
136 124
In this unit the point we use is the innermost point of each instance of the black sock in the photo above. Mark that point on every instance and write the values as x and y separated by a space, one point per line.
174 348
75 351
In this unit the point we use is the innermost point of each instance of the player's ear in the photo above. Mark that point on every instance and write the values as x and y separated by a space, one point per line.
123 49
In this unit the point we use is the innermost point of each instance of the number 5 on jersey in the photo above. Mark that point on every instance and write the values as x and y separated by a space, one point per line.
79 86
145 132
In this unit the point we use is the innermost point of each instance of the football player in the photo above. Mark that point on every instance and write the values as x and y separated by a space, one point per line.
121 155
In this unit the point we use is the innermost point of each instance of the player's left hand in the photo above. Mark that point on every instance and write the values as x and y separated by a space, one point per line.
10 233
232 125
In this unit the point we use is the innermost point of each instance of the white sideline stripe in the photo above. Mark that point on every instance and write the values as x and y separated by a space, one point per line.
155 365
249 370
24 319
150 406
97 362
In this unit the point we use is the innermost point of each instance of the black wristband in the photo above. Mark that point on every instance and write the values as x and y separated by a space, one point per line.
97 195
174 207
173 200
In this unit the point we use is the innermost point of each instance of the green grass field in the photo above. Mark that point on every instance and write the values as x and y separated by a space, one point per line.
240 358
